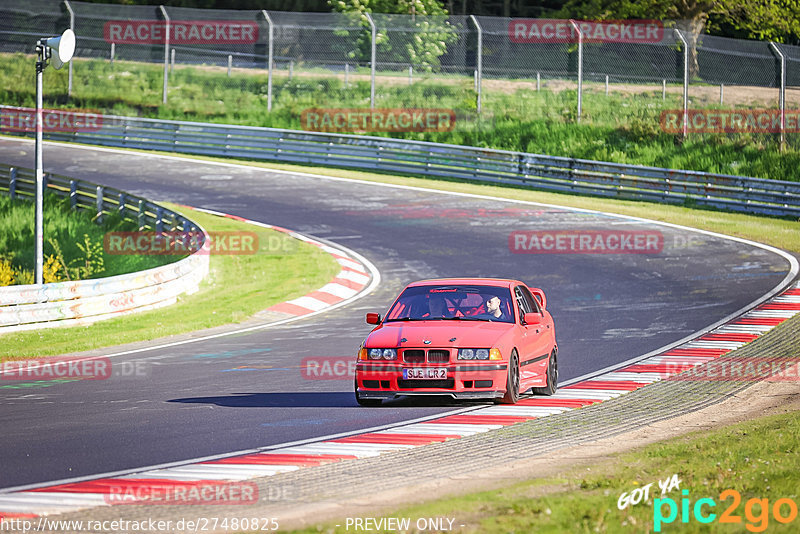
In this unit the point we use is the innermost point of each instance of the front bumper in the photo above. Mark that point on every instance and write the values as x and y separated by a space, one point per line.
483 380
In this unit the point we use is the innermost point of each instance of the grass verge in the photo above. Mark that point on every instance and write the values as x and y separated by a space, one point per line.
756 459
72 233
622 127
237 287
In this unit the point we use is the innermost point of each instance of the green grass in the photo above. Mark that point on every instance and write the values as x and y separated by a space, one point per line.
237 287
67 228
759 459
620 127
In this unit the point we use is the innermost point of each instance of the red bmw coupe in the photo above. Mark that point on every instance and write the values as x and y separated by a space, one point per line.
467 338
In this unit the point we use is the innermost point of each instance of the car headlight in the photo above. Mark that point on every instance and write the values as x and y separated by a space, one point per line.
479 354
382 354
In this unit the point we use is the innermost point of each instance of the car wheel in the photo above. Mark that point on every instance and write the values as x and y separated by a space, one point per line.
552 376
512 380
366 402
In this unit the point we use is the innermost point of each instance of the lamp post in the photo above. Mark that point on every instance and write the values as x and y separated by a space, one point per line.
60 50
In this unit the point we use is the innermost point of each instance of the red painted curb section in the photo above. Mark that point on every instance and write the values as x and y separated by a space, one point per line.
684 358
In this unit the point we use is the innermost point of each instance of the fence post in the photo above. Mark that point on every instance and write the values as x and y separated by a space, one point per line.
721 93
12 182
479 71
99 203
171 60
140 218
538 81
166 53
346 74
782 93
373 54
269 58
73 194
410 75
159 220
580 67
685 82
71 27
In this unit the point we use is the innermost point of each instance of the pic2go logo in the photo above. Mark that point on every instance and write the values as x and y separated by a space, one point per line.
756 511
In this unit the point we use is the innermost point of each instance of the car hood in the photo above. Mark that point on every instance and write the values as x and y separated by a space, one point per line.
475 334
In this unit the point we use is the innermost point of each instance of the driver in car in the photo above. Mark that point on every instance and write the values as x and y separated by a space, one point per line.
494 309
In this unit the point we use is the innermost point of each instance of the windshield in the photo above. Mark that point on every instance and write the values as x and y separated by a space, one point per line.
449 302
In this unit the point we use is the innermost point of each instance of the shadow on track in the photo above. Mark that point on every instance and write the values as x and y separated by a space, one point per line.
315 400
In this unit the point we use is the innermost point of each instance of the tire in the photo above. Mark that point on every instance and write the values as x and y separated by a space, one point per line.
366 402
512 380
552 376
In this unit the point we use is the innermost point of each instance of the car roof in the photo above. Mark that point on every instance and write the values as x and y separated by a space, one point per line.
495 282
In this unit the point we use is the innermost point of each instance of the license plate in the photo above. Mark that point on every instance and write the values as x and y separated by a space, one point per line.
435 373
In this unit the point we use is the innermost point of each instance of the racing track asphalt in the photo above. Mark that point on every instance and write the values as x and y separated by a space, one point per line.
246 391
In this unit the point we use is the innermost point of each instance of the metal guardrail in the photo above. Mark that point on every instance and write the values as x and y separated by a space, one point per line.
567 175
25 307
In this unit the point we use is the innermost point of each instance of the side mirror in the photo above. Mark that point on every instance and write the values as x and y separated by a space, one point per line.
373 318
531 319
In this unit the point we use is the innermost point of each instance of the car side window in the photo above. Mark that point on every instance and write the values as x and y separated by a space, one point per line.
532 301
523 307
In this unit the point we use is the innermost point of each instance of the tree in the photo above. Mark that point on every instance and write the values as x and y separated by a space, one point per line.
777 20
425 39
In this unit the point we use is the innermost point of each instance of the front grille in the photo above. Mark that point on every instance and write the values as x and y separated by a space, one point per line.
414 356
371 384
412 384
438 356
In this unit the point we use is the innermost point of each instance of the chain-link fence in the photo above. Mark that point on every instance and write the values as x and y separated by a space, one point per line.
488 72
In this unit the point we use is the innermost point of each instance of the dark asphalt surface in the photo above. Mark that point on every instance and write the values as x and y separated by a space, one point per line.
247 391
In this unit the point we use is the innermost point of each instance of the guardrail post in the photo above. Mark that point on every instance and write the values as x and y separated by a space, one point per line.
166 53
99 203
269 58
230 64
373 54
782 93
685 82
73 194
12 182
71 27
121 207
479 70
45 181
140 216
112 53
159 220
580 68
